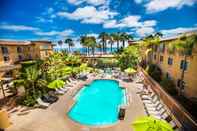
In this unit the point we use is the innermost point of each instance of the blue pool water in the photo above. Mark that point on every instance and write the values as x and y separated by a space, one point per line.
98 103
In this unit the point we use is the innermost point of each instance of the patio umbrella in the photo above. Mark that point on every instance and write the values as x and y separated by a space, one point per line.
150 123
130 70
56 84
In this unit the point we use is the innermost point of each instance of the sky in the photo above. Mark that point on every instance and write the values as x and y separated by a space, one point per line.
59 19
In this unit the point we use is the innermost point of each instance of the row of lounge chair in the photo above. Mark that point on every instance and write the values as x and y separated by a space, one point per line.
154 106
51 97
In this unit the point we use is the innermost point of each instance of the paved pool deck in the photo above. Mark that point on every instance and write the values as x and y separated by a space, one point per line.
54 118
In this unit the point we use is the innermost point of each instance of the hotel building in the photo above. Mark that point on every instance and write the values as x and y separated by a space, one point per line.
14 52
173 64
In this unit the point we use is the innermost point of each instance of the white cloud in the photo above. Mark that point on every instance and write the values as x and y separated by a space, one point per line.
18 27
178 30
88 14
129 22
159 5
110 24
93 34
149 23
75 2
63 33
143 31
43 20
91 2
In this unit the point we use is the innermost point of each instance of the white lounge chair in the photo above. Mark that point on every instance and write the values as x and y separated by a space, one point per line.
173 124
72 81
42 103
148 96
165 115
151 101
58 91
63 89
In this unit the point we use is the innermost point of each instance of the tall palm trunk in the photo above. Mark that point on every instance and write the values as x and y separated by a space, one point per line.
88 50
69 48
118 44
123 43
103 45
93 51
111 47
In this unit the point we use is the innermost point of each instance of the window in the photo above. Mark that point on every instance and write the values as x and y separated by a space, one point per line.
155 48
161 58
170 61
6 58
155 56
183 65
4 50
162 47
30 57
19 49
20 58
29 48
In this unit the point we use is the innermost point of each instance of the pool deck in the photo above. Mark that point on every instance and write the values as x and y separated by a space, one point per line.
54 118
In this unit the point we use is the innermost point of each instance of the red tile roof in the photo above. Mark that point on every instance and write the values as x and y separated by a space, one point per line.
14 43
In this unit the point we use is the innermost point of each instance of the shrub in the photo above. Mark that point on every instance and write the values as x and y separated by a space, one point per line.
155 72
169 85
27 101
130 57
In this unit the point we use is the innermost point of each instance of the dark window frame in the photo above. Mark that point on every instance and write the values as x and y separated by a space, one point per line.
4 50
19 49
161 58
6 58
183 65
170 61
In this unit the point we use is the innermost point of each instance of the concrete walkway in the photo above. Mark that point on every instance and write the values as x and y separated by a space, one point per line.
54 118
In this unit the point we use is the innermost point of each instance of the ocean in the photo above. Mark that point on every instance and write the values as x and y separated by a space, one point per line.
83 50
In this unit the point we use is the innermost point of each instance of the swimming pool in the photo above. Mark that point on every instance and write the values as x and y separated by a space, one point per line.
98 103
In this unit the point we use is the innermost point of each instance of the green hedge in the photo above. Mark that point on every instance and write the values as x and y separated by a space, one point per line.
169 85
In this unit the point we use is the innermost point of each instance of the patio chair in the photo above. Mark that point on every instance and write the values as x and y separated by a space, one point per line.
63 89
59 92
152 104
165 116
173 124
158 107
42 103
69 83
72 81
151 100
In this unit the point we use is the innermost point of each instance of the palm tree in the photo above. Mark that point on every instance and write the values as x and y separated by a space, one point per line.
103 37
185 45
99 46
91 42
60 43
117 38
31 80
148 43
83 42
70 43
111 41
125 37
